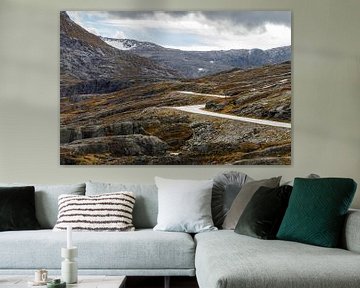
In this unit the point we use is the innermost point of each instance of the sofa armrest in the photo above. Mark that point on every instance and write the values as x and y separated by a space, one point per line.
351 234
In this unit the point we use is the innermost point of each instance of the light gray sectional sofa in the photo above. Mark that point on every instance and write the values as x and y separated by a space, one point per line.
219 259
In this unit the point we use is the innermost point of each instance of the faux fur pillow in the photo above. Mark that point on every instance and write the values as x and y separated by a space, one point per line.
105 212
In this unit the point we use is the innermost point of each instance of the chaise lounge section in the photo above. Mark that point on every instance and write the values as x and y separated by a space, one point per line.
225 259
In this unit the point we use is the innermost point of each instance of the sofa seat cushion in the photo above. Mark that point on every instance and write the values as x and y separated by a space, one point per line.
142 249
225 259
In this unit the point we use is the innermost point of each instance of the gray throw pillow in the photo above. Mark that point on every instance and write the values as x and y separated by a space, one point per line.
243 198
184 205
226 187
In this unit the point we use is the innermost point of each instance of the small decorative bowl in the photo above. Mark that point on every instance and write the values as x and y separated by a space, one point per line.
56 283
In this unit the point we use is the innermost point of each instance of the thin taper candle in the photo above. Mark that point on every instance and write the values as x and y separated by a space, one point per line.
69 237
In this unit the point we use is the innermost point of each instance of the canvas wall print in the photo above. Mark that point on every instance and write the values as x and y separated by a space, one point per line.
175 88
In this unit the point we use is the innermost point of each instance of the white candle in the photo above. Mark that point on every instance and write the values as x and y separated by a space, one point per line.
69 237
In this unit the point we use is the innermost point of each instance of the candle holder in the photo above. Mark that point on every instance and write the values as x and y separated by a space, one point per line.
69 271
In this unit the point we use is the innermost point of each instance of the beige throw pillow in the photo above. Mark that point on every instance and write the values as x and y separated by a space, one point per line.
243 198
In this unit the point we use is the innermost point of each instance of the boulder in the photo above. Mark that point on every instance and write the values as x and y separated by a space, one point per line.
123 145
126 128
214 106
70 134
174 135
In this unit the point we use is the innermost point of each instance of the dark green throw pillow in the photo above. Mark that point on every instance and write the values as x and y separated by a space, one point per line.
17 208
316 211
263 214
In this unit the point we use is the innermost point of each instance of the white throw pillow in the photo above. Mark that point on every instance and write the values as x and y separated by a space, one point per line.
184 205
105 212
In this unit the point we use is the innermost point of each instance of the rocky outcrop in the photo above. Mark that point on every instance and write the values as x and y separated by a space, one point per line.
70 134
115 146
213 106
281 112
265 161
256 110
275 155
275 151
174 134
92 86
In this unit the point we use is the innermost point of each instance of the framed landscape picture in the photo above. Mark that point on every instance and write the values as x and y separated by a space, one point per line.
175 88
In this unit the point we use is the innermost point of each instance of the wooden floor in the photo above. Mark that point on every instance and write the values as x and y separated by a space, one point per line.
158 282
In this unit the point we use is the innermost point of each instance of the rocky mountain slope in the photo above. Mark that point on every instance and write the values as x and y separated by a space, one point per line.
194 64
263 93
89 65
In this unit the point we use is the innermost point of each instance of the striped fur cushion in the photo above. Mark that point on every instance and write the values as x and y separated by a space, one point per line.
105 212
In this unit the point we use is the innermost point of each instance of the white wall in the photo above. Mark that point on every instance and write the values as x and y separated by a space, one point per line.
326 89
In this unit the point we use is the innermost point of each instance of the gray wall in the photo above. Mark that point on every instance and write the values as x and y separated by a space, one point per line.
326 85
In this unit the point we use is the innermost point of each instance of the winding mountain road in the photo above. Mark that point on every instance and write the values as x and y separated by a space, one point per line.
199 109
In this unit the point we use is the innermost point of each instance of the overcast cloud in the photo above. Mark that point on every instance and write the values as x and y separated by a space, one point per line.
193 30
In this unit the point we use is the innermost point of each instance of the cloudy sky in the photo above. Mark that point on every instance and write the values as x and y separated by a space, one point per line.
193 30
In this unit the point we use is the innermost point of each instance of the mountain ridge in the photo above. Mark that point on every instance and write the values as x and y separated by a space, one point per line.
195 64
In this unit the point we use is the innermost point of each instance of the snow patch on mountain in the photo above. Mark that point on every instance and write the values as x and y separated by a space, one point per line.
130 44
121 44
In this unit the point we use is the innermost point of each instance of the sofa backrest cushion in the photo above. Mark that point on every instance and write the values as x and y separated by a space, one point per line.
225 189
46 200
146 204
350 234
